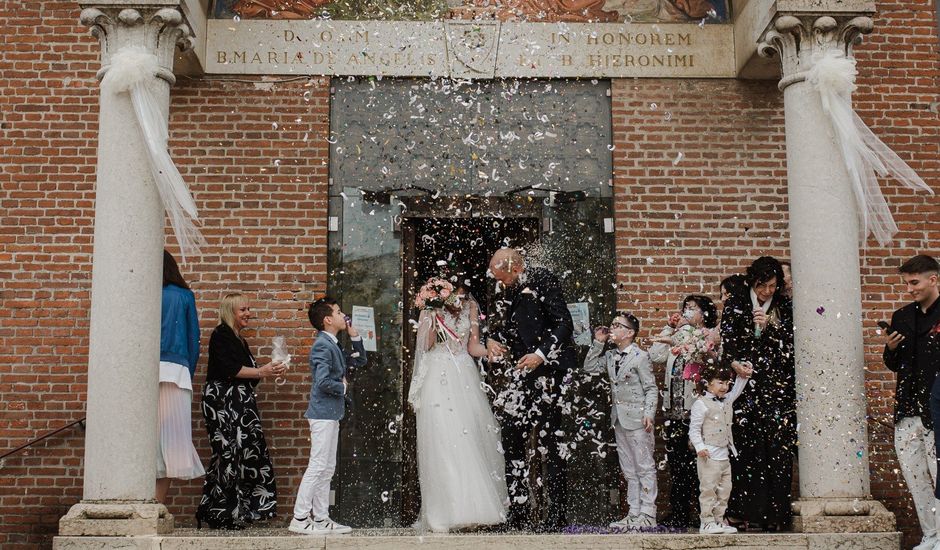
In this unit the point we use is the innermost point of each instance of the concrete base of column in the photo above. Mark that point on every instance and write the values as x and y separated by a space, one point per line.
842 515
407 539
108 543
116 519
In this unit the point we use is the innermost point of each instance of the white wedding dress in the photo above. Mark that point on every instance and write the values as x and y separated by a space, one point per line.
460 466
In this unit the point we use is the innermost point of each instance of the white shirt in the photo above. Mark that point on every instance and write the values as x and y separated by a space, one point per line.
756 305
336 340
699 409
175 373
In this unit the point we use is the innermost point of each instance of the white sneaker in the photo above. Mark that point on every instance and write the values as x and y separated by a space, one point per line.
624 523
302 526
929 542
711 528
727 529
643 521
326 526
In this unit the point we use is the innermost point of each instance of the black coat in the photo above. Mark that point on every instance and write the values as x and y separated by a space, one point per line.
773 385
765 414
915 360
538 319
228 353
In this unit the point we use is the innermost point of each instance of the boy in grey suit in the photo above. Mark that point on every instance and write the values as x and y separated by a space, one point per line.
326 408
633 397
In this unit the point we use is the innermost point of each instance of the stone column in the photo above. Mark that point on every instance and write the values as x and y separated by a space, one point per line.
835 494
124 342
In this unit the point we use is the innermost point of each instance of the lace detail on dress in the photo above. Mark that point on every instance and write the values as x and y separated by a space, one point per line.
460 324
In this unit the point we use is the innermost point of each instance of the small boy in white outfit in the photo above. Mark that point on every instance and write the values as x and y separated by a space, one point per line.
710 434
327 405
633 397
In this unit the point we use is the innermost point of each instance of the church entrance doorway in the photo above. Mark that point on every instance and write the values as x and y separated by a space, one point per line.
460 248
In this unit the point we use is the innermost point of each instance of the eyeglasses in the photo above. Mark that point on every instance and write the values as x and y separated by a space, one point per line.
620 325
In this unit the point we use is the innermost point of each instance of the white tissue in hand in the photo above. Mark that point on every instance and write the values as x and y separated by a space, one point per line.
279 351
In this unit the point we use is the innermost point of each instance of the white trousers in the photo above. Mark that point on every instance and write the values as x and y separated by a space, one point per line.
313 495
914 446
635 451
714 485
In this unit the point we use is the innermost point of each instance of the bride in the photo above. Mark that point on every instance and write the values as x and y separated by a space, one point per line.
460 467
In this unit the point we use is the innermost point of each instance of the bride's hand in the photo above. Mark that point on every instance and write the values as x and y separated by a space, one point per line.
494 351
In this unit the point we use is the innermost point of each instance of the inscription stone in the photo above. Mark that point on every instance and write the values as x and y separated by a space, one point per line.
469 49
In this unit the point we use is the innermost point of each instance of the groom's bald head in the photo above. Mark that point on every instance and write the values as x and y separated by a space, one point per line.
506 266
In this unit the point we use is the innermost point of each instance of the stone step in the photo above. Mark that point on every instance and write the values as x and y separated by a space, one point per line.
402 539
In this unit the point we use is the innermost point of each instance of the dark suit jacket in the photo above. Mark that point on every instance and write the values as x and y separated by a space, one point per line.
915 360
539 320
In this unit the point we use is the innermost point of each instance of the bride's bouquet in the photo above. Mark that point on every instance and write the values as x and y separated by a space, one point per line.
696 346
434 295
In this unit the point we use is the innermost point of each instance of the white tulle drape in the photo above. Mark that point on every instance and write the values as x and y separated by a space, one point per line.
866 156
130 71
420 370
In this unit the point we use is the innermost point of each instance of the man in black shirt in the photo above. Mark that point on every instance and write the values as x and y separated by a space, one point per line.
911 350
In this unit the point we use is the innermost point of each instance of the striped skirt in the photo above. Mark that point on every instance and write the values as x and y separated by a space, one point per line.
176 456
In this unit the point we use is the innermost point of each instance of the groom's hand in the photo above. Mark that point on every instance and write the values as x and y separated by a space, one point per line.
529 362
494 351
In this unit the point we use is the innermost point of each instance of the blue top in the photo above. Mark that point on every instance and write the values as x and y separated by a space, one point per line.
179 328
327 368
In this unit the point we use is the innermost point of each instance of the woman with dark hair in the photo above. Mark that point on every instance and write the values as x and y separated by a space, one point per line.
758 328
698 312
179 353
732 285
239 485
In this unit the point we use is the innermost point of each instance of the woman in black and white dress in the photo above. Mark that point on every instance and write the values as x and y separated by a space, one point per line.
239 486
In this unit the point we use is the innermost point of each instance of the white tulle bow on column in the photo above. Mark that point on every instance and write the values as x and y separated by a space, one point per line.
866 156
130 70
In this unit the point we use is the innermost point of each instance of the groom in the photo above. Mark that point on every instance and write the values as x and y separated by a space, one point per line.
535 340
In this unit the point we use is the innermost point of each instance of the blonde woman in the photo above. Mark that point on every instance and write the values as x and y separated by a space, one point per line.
239 486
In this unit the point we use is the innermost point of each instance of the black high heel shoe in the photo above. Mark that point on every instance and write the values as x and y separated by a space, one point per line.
222 525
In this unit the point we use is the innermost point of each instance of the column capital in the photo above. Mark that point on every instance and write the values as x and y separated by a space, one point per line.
158 26
798 37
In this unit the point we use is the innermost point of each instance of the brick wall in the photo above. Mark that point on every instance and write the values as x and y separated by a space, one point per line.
255 156
707 214
48 127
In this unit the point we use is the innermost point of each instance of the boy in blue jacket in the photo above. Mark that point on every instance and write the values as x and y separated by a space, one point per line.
328 366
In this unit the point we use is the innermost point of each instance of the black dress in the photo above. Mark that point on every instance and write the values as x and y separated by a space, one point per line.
765 415
680 455
239 485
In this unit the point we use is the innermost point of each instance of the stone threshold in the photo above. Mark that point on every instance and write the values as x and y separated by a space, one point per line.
395 539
